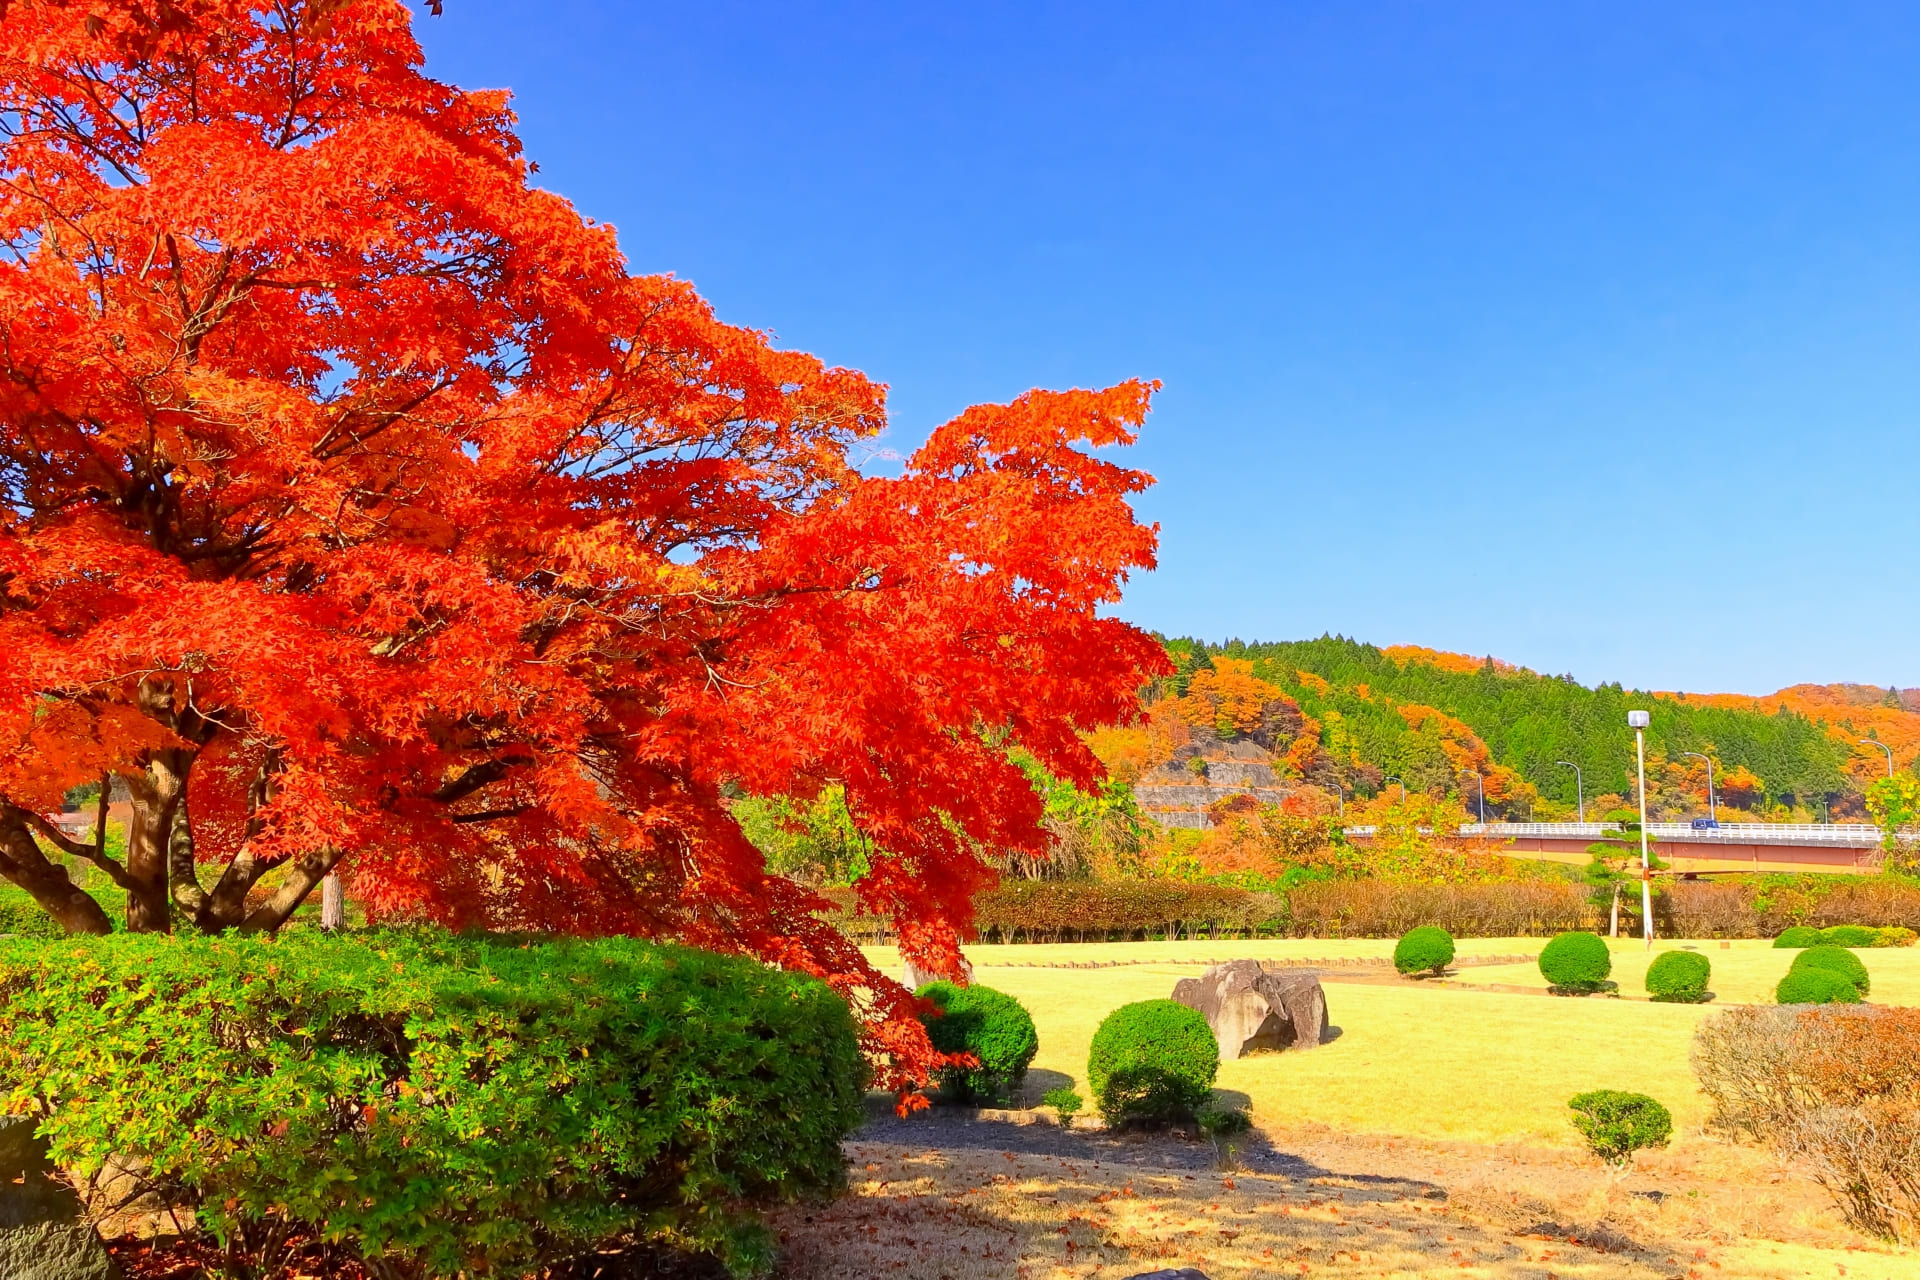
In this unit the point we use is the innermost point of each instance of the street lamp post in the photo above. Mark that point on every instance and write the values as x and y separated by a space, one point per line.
1579 788
1639 720
1482 787
1713 811
1403 788
1875 742
1340 794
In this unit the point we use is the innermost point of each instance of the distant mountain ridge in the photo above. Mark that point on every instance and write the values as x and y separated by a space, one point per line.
1337 712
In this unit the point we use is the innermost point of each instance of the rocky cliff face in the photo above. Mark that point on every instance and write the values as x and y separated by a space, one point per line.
1178 793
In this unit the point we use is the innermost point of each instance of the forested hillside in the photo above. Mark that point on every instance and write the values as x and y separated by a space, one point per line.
1432 720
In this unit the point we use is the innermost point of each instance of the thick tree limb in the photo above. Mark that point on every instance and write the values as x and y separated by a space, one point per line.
22 862
301 879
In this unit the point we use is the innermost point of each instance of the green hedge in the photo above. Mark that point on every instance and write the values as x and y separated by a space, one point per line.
1679 977
1576 962
1837 960
440 1104
1798 936
992 1026
1850 935
1152 1062
1616 1123
1427 949
1815 986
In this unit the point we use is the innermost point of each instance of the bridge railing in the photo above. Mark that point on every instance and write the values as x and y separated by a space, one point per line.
1855 835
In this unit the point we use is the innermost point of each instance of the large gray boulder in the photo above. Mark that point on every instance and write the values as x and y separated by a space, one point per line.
44 1233
1250 1008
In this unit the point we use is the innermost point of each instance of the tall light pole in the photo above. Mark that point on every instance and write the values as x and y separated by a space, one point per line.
1403 788
1639 720
1482 782
1875 742
1340 794
1713 812
1579 788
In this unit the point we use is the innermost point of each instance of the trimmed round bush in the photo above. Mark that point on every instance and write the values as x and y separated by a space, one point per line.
1850 935
1427 949
1798 935
1616 1123
1895 935
1577 962
1815 986
1152 1062
1836 960
1679 977
993 1027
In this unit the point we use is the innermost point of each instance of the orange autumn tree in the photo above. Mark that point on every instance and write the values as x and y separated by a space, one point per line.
363 513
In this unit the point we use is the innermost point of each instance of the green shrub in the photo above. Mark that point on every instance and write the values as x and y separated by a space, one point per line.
1617 1124
1895 936
442 1105
993 1027
1850 935
1836 960
1799 935
22 917
1427 949
1577 962
1815 986
1065 1100
1152 1062
1223 1123
1679 977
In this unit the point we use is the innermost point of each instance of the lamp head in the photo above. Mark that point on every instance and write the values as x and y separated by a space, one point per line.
1638 719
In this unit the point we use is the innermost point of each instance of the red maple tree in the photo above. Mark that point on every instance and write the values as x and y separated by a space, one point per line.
361 511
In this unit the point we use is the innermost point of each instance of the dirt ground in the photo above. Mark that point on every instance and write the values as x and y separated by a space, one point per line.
949 1196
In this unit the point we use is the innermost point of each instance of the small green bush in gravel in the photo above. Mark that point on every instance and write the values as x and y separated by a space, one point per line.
1427 949
1836 960
1577 962
1797 936
1617 1124
1066 1101
1815 986
1679 977
1152 1062
992 1026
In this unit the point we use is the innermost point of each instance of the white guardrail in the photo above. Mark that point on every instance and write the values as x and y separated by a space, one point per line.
1849 835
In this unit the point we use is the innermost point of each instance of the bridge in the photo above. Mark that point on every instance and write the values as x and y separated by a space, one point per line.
1689 850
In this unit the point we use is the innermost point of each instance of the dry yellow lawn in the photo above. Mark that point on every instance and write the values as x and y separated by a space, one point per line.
1466 1079
1450 1060
921 1214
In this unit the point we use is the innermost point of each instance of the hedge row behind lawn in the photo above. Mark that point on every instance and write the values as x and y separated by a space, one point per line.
441 1104
1124 910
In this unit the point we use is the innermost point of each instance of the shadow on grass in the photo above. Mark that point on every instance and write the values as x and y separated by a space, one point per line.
942 1129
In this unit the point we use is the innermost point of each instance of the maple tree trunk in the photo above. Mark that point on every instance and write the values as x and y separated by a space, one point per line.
22 862
157 794
333 903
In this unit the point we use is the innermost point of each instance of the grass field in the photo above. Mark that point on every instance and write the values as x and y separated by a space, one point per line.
1462 1082
1443 1060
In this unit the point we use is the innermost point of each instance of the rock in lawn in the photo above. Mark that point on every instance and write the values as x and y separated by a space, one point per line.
1249 1008
43 1233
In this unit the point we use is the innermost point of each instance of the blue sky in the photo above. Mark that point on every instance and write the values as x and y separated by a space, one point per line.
1583 334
